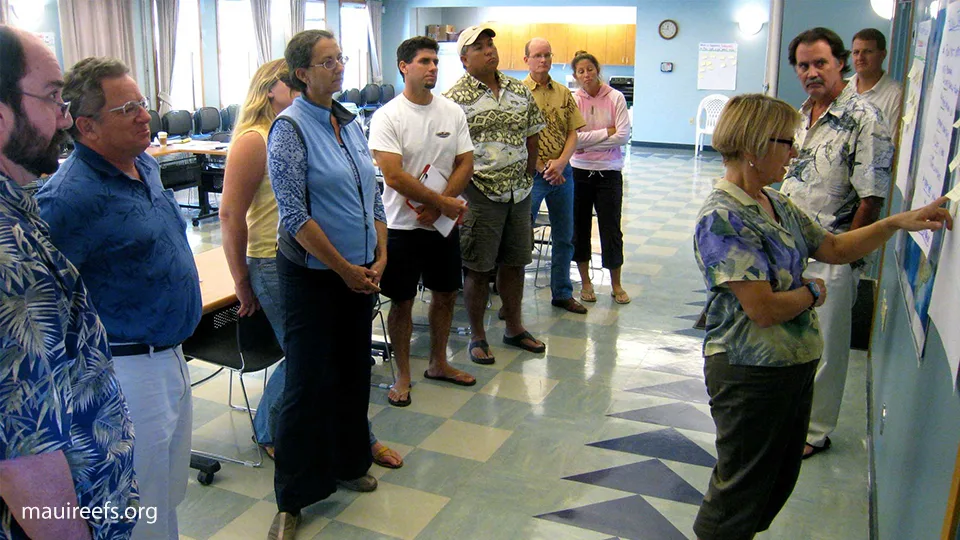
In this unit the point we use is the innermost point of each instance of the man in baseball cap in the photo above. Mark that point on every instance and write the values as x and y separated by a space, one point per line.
470 34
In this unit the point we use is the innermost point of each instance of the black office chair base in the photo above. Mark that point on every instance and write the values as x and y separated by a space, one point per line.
207 467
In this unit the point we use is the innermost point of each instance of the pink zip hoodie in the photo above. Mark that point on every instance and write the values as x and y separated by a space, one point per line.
597 151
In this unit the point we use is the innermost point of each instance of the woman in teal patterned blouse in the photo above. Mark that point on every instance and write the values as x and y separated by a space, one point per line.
763 339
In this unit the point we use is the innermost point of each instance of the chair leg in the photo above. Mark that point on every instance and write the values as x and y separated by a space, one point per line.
387 353
230 393
249 412
546 245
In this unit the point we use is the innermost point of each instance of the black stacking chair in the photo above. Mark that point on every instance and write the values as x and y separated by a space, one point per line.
177 124
228 117
352 95
387 93
370 98
240 344
211 178
155 124
206 120
181 170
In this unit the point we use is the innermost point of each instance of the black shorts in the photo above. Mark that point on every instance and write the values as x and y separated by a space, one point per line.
412 254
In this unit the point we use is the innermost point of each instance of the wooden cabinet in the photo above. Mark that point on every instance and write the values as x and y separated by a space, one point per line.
612 44
521 35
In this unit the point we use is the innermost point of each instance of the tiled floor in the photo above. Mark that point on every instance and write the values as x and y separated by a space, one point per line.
606 435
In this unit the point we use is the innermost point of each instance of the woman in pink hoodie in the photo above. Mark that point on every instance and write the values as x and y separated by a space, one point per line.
597 177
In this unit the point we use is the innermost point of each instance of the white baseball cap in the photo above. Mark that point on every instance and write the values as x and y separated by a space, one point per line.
470 34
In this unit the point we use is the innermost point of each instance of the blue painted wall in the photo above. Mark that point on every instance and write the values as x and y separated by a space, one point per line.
916 451
208 53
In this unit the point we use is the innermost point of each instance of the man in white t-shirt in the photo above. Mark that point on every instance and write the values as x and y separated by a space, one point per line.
415 130
869 50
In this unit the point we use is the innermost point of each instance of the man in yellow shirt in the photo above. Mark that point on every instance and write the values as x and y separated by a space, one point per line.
554 178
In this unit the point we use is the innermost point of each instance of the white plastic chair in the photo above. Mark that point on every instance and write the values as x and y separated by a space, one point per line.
708 112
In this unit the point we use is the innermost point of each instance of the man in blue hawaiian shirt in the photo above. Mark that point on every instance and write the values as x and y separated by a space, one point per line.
840 179
66 438
109 214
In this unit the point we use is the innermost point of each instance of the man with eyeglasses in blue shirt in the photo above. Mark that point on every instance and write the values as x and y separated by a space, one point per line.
66 438
109 214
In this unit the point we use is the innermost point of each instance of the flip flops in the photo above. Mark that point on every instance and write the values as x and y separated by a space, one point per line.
588 295
827 443
480 344
621 298
517 341
444 378
378 458
400 402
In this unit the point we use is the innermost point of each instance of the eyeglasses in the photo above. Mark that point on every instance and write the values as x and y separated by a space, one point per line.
544 56
131 108
789 142
331 63
63 105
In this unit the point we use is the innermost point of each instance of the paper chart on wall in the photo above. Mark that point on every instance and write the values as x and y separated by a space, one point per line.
717 66
904 181
946 293
923 37
938 133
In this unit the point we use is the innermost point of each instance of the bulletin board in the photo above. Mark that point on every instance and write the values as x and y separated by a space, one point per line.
717 66
925 169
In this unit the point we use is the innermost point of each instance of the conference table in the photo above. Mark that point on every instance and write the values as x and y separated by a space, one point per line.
203 148
216 292
216 283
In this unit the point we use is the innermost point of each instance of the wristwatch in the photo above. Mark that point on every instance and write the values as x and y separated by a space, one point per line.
814 290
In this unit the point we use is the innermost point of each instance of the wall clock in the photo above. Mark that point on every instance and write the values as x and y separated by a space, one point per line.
669 29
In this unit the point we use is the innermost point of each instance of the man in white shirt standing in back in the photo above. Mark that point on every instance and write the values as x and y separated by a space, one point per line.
869 50
408 134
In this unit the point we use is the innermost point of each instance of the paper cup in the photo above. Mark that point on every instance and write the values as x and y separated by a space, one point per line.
162 138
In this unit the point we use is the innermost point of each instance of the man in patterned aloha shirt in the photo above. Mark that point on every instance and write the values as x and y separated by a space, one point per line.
504 121
840 180
66 439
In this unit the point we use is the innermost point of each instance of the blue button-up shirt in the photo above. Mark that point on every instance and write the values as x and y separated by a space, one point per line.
58 390
129 242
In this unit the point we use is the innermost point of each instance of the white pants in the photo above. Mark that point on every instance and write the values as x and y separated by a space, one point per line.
835 322
157 389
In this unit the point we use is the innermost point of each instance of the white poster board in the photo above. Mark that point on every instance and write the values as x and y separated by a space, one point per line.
946 291
717 66
939 132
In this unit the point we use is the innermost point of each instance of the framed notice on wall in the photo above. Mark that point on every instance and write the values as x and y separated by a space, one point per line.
717 66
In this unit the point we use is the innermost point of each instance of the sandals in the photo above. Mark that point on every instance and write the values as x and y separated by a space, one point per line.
518 341
621 298
480 344
267 448
384 451
827 443
588 295
402 402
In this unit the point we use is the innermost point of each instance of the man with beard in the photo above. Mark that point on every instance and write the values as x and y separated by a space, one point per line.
840 178
408 135
110 215
505 123
66 439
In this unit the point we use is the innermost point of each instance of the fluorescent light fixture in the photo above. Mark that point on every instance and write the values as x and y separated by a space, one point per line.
883 8
751 19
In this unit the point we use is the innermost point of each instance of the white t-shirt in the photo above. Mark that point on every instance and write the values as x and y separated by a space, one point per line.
886 96
423 135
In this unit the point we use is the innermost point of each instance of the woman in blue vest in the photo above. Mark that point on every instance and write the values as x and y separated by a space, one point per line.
332 252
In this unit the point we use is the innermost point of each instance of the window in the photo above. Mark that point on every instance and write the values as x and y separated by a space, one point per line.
187 86
315 16
238 57
354 41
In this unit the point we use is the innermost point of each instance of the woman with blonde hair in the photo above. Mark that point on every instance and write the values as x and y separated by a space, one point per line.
763 336
249 219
